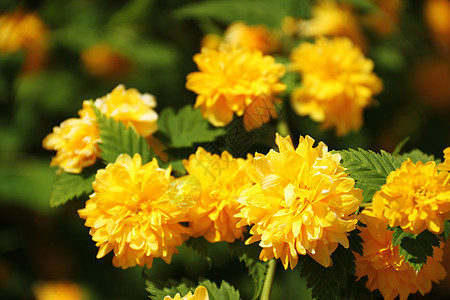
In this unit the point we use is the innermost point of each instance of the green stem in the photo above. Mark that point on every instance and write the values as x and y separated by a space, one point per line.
267 288
367 204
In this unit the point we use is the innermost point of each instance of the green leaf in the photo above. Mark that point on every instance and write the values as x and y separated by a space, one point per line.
68 186
132 11
357 289
257 269
227 11
417 155
446 232
185 128
369 169
225 292
116 139
200 245
159 290
415 247
364 5
330 283
400 146
170 288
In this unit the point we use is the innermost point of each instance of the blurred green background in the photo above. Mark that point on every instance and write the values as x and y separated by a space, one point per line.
152 43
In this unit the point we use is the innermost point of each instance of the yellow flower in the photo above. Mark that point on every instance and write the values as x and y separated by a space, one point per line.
337 83
131 214
211 41
254 37
22 30
445 166
222 178
103 61
302 203
75 142
131 108
76 139
290 25
415 197
230 80
200 293
58 290
332 19
386 269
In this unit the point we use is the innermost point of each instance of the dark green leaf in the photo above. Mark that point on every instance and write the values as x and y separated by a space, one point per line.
185 128
257 269
415 247
200 245
116 139
68 186
369 169
357 289
330 283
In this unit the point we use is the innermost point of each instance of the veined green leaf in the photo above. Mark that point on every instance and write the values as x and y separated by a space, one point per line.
68 186
415 247
116 139
170 288
330 283
225 292
417 155
186 127
158 290
369 169
257 269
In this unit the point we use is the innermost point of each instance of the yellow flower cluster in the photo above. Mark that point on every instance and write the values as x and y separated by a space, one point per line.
236 80
302 203
22 30
222 179
337 83
76 140
386 269
415 197
131 214
200 293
